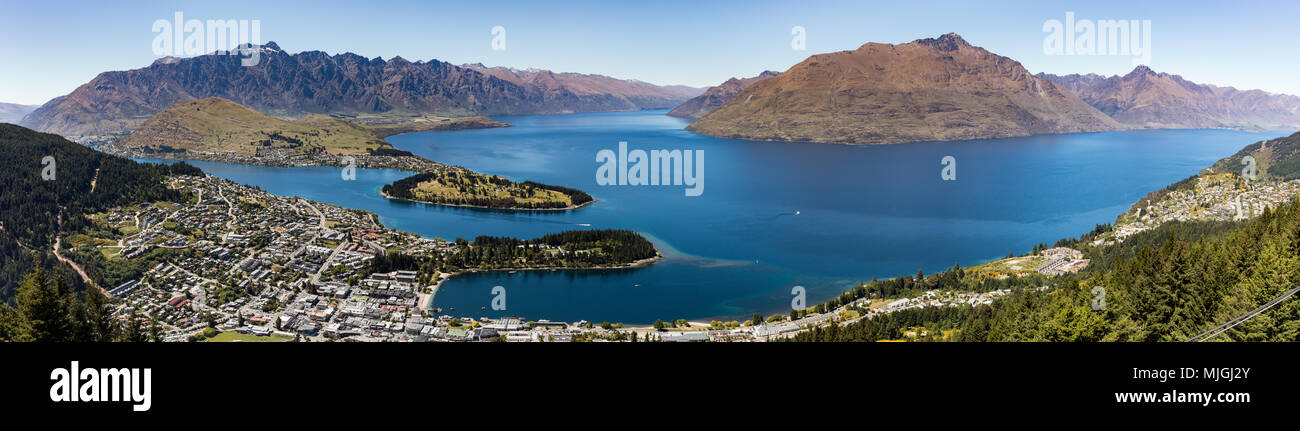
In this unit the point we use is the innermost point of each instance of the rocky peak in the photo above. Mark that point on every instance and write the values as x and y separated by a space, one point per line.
947 42
1141 70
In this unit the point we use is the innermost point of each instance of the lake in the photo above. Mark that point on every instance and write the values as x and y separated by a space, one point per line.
772 215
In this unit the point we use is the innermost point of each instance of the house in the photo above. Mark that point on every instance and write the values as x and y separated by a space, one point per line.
1062 253
770 330
308 329
685 336
522 336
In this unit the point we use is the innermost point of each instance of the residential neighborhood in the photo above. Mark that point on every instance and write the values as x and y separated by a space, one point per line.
240 264
1217 197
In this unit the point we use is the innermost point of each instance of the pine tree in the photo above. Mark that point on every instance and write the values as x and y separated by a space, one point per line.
155 330
1273 272
97 324
45 306
133 332
12 326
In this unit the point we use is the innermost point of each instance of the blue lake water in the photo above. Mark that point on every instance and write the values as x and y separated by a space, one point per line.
862 211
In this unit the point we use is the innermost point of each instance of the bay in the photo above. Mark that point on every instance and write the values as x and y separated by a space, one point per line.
773 215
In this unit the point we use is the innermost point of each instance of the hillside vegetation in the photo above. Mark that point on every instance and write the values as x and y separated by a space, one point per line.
472 189
30 206
216 125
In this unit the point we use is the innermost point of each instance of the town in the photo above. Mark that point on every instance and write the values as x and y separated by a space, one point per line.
235 263
1219 197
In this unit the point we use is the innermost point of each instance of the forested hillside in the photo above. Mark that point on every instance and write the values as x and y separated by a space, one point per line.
1167 284
576 248
84 181
1276 159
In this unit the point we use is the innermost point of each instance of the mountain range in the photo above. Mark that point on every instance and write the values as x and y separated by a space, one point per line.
313 82
716 96
929 89
592 93
12 112
1146 99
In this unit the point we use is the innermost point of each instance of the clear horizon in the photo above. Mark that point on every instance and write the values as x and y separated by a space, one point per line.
668 43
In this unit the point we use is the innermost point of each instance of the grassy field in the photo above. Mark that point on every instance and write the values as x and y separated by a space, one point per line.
216 125
110 252
232 336
1022 265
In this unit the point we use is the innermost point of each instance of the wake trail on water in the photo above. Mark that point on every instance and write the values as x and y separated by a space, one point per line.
789 214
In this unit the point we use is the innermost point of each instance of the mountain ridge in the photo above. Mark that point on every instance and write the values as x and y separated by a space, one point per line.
929 89
1145 98
716 96
312 82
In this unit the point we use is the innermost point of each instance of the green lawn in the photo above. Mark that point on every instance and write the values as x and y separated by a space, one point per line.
110 252
232 336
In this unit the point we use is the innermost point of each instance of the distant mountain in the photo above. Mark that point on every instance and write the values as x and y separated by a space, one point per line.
12 112
714 97
589 93
1144 98
314 82
929 89
216 125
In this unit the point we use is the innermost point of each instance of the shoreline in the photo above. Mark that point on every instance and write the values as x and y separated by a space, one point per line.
255 162
642 263
209 157
867 144
568 208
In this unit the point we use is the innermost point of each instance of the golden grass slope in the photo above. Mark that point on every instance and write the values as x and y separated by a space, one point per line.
218 125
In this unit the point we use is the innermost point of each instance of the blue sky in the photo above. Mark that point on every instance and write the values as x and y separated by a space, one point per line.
52 47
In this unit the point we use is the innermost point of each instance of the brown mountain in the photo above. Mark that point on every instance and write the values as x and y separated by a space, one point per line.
1144 98
312 82
590 93
929 89
714 97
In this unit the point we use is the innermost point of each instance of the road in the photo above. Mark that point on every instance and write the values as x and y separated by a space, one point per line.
230 209
315 278
59 240
317 211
